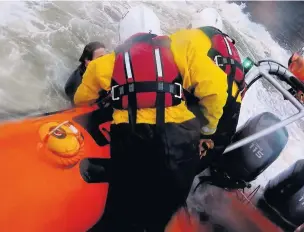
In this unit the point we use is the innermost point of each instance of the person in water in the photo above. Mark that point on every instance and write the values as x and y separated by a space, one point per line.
154 137
224 53
296 67
90 52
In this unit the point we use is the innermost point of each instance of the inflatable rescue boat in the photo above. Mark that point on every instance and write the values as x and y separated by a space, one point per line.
56 167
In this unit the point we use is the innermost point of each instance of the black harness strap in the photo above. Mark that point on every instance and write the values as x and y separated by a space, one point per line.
145 87
132 101
223 61
160 109
160 95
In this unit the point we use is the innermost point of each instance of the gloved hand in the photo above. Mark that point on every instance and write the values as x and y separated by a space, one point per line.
205 144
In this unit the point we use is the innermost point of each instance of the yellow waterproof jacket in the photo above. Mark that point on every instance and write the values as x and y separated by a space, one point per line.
199 73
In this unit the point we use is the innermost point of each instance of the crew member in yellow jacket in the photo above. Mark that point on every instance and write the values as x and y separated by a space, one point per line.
224 52
154 137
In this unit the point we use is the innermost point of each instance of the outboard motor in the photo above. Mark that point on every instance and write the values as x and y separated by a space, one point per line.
284 196
249 161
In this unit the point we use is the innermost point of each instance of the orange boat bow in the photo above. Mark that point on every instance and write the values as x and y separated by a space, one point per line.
41 185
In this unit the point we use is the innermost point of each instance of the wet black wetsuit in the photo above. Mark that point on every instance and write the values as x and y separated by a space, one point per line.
74 81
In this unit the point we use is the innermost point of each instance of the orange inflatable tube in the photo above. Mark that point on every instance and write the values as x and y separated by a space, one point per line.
45 171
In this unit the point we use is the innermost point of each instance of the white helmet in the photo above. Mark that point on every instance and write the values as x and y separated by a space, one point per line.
207 17
139 19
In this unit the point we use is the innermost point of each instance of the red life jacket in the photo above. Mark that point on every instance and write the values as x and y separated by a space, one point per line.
226 56
145 76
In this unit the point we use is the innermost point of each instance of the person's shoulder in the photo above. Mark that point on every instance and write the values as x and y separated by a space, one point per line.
186 34
192 33
195 39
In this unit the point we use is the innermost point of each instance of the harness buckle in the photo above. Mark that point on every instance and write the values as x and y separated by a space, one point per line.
112 93
180 95
217 61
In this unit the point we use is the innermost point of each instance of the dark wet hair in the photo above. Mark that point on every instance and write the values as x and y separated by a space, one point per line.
89 49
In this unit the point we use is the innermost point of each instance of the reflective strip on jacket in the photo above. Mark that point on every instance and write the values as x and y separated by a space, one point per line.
200 75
